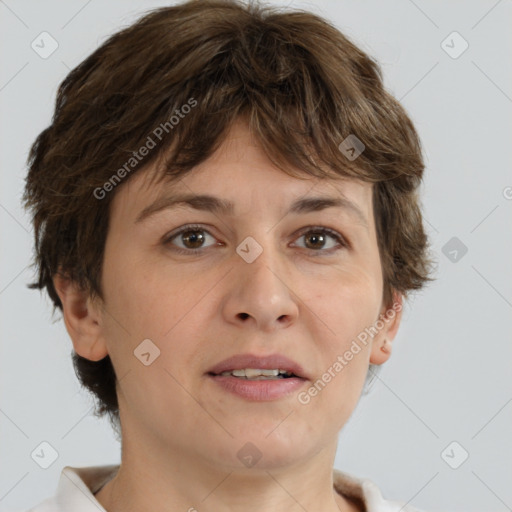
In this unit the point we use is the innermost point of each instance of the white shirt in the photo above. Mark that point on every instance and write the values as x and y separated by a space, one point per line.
77 486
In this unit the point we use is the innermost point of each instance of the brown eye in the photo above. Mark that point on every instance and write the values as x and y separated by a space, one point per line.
188 239
317 239
192 239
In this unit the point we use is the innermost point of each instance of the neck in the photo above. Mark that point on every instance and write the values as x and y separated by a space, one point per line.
178 481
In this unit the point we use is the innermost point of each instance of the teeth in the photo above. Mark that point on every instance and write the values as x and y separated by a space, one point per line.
253 373
250 373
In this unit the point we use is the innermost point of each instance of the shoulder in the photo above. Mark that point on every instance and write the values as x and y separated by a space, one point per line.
48 505
368 492
75 490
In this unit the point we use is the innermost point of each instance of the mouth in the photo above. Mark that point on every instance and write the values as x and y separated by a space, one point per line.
252 367
257 374
257 378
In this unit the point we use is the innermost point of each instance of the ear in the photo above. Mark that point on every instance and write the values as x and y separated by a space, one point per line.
390 316
82 319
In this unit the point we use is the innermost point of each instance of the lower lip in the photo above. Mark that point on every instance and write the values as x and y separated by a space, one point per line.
259 390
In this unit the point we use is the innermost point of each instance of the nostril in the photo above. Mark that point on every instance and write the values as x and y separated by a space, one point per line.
243 316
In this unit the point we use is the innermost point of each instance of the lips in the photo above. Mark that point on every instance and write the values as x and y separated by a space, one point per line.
270 362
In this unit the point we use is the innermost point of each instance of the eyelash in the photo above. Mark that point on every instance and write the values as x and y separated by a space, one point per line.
308 229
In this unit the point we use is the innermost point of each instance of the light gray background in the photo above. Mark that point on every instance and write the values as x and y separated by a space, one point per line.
449 378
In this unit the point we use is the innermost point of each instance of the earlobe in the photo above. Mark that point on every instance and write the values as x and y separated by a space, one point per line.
82 319
390 318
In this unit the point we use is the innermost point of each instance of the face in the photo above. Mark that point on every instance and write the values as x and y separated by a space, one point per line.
304 285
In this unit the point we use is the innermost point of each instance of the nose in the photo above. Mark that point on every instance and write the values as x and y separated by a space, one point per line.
260 294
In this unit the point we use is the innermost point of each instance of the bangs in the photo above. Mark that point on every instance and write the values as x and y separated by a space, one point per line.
299 101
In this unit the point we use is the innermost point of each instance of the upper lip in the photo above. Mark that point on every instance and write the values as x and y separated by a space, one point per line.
273 361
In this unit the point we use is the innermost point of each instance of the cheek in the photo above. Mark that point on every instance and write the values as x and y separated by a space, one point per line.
347 303
158 303
141 295
343 308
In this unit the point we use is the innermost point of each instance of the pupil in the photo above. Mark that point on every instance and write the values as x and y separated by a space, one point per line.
195 240
317 237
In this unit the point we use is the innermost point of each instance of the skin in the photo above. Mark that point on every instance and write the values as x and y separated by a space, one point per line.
301 298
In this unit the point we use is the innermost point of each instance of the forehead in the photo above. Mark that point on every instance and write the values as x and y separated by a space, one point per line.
242 176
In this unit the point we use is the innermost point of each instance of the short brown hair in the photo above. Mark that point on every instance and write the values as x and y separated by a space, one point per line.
303 87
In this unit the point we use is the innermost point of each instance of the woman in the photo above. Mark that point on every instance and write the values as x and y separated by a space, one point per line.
226 214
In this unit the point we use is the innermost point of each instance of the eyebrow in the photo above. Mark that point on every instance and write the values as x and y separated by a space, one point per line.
222 206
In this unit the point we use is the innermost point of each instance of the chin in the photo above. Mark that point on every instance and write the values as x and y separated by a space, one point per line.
264 448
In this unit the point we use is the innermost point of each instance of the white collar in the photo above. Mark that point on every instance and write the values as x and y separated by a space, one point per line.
77 485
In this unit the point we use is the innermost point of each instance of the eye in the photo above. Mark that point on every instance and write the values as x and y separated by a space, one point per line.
192 238
317 237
